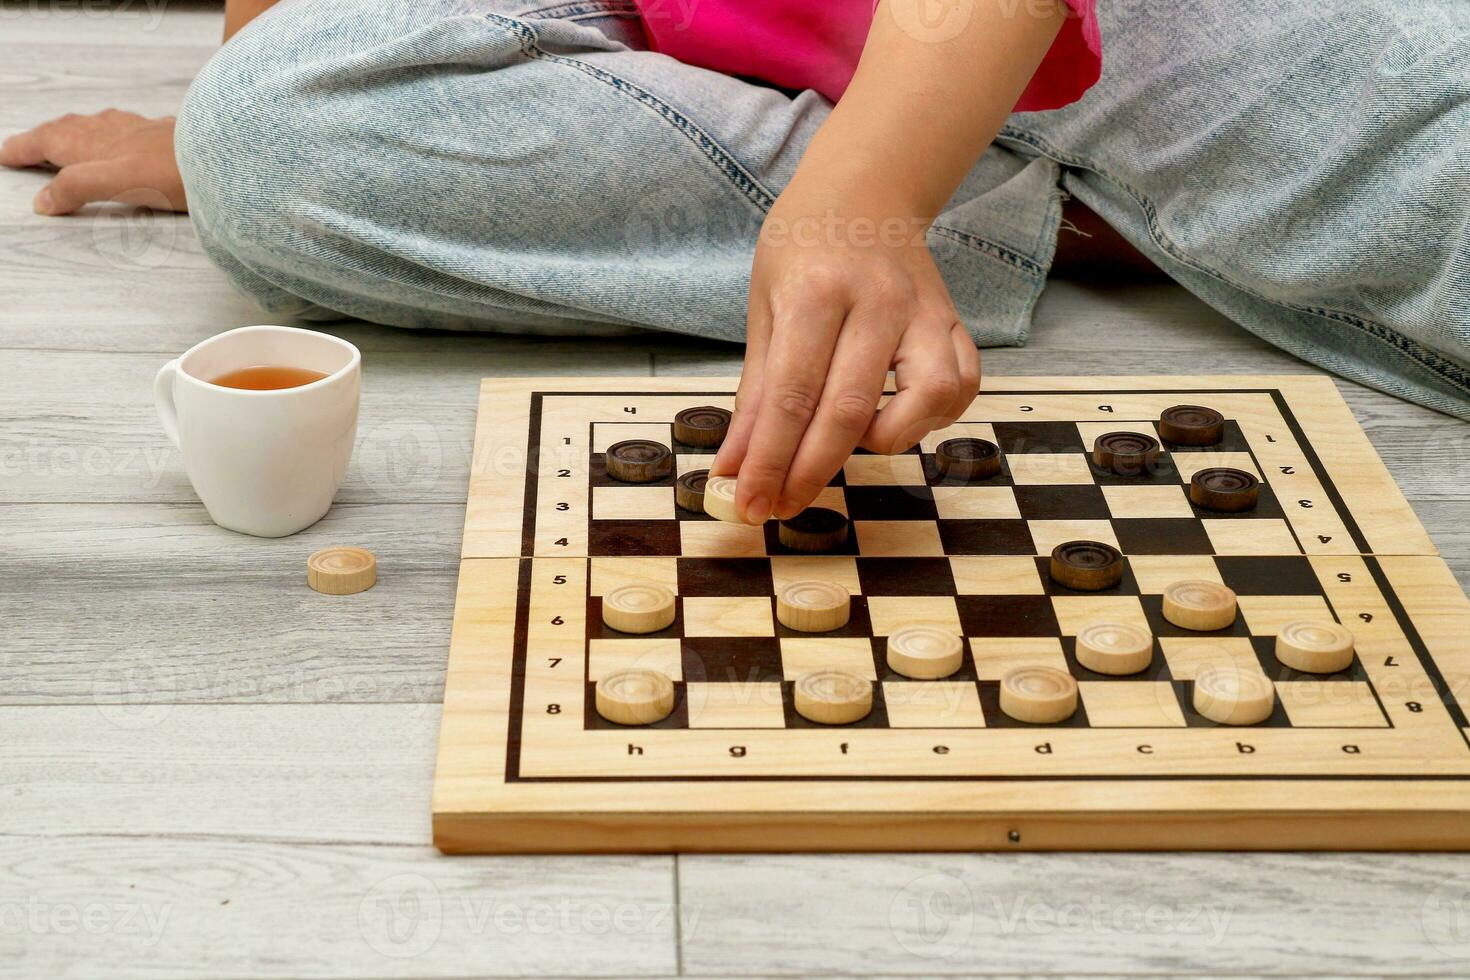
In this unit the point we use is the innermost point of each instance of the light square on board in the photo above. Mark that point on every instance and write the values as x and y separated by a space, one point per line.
1147 500
1266 614
641 652
889 612
831 498
721 539
996 575
933 704
756 704
1131 704
1191 463
994 655
898 539
1155 573
1267 536
803 654
1185 655
975 503
839 569
871 470
608 573
1048 534
1074 612
728 616
1330 704
689 462
960 430
632 503
1043 469
604 434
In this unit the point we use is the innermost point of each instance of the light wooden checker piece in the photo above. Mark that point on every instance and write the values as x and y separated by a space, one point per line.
528 763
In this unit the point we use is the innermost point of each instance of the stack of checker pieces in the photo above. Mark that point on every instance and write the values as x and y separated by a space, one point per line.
1009 537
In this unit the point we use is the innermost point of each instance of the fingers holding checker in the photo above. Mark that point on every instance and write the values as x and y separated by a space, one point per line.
822 337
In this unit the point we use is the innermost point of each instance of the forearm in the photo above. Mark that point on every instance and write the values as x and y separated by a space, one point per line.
238 13
926 101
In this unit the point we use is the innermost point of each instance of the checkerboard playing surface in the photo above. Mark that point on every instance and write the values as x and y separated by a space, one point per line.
527 763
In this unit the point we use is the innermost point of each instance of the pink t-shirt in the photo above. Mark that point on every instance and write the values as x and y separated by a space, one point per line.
815 44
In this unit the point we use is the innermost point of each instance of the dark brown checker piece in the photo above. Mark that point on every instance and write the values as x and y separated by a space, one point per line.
814 529
689 490
639 461
704 426
1126 453
1087 566
1191 425
967 459
1225 489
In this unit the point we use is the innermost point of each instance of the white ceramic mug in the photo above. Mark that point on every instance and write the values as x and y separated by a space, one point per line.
266 463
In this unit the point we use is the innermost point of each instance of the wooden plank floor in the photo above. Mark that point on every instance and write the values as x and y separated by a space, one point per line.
207 769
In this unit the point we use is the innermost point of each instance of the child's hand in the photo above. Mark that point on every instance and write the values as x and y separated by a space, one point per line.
839 296
109 156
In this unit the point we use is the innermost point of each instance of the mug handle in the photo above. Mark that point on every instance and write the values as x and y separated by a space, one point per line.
163 397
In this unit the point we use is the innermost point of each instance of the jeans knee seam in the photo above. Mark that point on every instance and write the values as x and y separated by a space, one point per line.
1426 357
742 179
993 250
584 8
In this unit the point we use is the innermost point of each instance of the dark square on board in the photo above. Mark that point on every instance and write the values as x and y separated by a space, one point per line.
725 576
1269 574
1070 502
1007 615
731 659
986 537
905 576
1039 437
890 503
1161 536
632 538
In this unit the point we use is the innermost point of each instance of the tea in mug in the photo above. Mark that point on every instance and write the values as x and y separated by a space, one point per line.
267 377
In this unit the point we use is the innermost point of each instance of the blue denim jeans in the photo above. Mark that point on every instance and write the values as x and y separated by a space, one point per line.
512 166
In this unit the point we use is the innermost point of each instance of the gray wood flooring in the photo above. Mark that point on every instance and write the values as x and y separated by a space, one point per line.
204 771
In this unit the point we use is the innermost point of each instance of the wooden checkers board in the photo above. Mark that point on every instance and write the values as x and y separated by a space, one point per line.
1376 756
